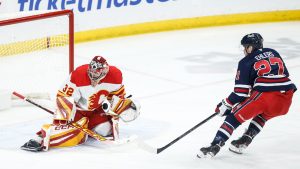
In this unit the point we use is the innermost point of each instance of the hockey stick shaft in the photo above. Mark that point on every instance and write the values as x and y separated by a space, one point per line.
159 150
74 124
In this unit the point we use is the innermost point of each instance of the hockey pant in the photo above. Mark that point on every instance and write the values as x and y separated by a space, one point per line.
260 107
265 104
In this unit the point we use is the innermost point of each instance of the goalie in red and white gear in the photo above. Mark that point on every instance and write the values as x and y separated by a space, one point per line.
93 97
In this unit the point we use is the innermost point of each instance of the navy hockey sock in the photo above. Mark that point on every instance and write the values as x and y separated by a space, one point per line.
226 129
255 126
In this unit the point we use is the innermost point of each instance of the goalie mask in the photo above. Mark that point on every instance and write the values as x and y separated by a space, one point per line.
98 68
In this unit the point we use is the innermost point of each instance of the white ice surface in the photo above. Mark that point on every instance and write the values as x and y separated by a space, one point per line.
178 77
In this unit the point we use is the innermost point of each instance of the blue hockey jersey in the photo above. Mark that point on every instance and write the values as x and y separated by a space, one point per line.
263 71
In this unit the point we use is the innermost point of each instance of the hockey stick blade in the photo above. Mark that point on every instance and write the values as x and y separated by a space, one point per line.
141 144
121 141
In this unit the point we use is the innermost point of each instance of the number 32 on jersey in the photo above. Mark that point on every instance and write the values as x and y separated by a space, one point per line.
68 90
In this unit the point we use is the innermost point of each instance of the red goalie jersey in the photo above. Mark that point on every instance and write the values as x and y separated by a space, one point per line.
89 91
88 97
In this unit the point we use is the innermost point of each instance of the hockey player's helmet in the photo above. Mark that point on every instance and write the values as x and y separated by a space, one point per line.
98 68
253 39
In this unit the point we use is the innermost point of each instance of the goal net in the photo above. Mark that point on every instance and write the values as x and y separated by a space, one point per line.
36 51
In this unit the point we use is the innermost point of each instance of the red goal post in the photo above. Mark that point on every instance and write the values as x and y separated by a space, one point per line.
42 16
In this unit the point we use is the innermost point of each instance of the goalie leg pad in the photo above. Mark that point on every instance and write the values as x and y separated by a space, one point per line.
63 135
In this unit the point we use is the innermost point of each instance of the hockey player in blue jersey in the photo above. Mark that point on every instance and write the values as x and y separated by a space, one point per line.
262 91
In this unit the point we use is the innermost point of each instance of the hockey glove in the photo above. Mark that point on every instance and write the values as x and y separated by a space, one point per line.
125 108
223 108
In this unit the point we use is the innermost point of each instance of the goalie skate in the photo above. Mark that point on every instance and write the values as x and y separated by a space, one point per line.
33 146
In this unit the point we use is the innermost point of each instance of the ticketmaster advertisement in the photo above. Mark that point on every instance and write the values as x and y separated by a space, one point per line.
93 14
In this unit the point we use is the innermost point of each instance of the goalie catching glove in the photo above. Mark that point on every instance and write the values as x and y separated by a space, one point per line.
126 109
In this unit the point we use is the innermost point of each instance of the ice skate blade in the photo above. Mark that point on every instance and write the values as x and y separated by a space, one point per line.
236 150
31 149
202 156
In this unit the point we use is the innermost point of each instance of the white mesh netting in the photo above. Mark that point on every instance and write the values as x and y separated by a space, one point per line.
36 53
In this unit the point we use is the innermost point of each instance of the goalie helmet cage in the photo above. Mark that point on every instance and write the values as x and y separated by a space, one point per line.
40 50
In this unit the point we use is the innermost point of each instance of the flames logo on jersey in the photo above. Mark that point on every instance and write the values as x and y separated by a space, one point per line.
95 98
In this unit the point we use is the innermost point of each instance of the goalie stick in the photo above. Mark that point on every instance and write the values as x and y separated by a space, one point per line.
159 150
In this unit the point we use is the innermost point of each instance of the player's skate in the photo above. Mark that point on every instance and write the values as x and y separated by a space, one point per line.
238 146
32 145
211 151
